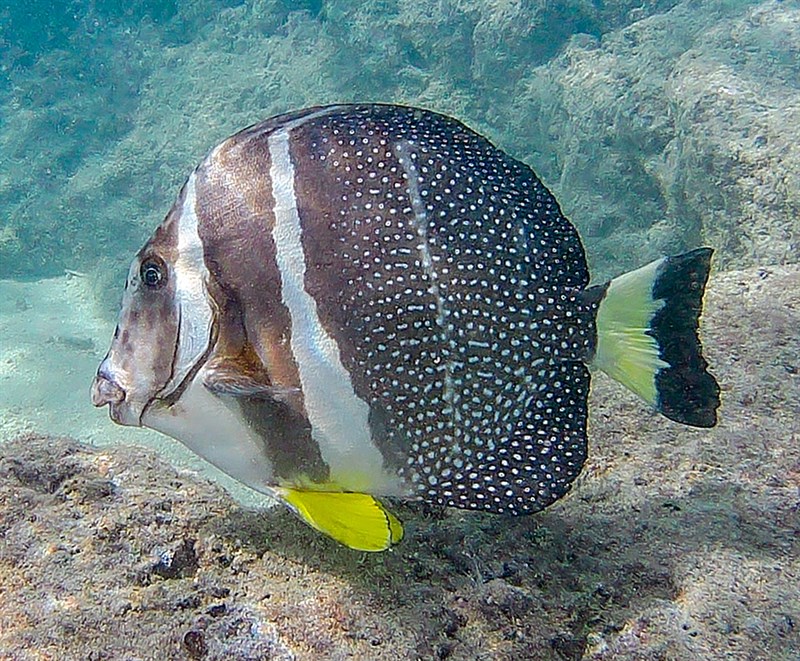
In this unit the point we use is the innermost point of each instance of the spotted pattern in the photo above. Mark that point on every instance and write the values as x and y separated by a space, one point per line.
451 283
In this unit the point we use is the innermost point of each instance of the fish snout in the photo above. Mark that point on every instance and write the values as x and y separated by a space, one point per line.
105 390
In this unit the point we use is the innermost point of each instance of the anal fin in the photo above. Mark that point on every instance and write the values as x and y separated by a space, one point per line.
357 520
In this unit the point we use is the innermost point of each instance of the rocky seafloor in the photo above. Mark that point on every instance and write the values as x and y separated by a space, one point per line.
675 543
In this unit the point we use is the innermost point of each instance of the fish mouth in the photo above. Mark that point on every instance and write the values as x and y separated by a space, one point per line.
106 391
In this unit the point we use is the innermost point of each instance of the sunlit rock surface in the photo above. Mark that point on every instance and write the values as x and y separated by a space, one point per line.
675 543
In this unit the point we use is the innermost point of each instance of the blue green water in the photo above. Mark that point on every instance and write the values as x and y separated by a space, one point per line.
620 108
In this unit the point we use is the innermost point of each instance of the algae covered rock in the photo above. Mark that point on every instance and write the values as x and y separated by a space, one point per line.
675 543
675 131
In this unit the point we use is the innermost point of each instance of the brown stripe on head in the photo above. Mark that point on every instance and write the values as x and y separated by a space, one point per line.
236 217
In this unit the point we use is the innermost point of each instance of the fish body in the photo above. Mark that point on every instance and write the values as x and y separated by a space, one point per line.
350 301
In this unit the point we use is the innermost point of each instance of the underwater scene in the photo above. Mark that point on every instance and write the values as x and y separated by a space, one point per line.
400 330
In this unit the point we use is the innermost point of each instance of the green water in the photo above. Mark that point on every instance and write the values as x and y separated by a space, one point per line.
620 108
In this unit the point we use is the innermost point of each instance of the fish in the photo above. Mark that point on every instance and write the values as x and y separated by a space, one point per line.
354 303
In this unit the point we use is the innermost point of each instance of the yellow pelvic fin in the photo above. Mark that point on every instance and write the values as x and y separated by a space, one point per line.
356 520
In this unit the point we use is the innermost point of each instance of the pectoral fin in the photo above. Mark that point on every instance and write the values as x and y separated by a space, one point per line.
356 520
230 380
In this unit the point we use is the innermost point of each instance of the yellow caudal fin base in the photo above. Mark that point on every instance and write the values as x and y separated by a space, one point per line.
625 350
647 336
356 520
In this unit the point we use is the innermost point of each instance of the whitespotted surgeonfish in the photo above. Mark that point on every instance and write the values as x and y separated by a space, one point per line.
357 301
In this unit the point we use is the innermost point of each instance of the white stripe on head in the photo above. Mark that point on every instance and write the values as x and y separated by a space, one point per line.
339 418
191 275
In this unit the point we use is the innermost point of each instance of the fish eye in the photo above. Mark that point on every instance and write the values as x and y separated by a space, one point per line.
153 273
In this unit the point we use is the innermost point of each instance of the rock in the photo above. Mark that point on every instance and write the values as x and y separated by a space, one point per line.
679 129
111 553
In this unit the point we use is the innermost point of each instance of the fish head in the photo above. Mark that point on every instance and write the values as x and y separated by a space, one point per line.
165 326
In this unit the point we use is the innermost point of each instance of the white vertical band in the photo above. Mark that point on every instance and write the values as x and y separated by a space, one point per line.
405 155
339 419
195 313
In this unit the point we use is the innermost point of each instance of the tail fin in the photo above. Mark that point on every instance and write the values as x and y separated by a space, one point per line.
647 336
